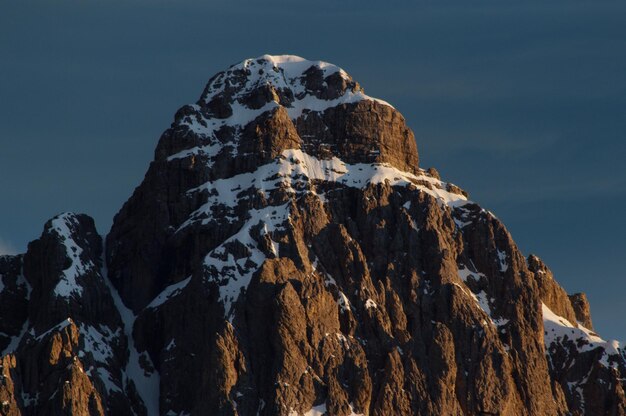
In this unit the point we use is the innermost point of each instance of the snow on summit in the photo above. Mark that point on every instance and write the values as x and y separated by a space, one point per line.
237 96
297 83
226 129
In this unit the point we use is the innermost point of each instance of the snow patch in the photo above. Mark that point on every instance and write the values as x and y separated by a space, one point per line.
482 299
344 341
207 128
504 266
68 286
29 400
58 327
234 274
15 340
169 292
343 302
146 381
559 330
97 342
465 274
171 345
320 410
461 224
296 170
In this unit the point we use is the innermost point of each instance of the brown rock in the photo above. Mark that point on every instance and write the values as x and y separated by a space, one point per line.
581 309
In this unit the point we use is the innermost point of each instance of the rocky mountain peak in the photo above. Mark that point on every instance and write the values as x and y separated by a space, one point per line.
248 114
295 83
285 255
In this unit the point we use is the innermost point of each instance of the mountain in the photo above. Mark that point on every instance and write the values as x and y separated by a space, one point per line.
286 255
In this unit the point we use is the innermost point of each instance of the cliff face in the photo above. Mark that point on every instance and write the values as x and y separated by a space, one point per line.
285 255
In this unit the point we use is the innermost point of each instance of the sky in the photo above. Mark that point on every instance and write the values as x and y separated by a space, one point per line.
522 104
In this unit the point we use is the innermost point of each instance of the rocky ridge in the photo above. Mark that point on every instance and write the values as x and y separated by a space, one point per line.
285 255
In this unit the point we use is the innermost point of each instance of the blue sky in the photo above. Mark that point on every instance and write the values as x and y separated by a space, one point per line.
523 104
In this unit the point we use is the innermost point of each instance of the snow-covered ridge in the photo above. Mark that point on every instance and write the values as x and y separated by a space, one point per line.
296 170
284 73
63 226
559 330
285 77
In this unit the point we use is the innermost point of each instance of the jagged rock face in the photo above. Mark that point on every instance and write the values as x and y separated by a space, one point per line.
14 291
246 117
66 348
285 255
580 304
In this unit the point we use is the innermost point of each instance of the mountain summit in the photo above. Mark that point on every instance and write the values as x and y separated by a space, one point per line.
286 255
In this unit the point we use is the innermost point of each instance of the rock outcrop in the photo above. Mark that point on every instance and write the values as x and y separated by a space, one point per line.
66 350
286 255
580 304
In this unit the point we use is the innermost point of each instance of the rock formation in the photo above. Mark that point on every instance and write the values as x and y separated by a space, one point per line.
286 255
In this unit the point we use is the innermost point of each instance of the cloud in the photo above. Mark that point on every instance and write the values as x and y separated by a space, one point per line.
6 247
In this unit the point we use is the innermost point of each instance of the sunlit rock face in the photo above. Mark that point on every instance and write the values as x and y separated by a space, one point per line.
286 255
